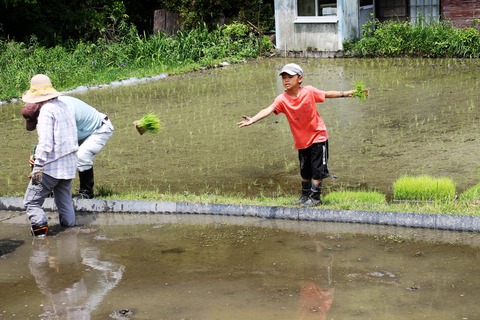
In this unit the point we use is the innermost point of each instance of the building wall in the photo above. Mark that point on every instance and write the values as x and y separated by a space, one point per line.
295 38
313 38
461 12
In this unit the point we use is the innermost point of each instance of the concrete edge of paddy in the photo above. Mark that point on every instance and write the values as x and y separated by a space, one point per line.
409 220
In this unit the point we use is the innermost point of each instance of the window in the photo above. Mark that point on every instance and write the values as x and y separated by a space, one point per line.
392 10
316 8
364 3
429 10
316 11
412 10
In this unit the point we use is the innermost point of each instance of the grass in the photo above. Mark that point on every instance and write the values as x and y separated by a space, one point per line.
371 201
351 199
471 195
134 56
434 195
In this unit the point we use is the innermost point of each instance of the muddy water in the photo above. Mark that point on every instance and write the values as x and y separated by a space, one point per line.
422 117
207 267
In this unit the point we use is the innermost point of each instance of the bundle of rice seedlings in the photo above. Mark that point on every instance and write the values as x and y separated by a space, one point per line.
149 123
424 188
360 91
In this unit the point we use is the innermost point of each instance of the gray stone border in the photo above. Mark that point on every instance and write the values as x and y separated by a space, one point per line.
411 220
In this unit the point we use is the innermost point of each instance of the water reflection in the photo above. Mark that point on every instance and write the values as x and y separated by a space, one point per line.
315 302
316 297
72 278
236 268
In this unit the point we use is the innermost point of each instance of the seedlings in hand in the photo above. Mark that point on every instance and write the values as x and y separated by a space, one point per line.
360 91
149 123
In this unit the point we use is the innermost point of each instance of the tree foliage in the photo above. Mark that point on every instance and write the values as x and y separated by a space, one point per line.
54 22
212 12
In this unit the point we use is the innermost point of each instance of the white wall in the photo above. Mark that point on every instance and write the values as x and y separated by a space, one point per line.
302 34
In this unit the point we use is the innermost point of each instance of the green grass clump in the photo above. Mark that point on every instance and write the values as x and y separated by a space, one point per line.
471 195
424 188
360 91
354 199
149 123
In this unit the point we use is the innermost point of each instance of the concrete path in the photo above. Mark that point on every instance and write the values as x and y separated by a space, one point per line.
412 220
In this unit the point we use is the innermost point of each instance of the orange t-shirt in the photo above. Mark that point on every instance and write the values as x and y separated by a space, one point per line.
305 122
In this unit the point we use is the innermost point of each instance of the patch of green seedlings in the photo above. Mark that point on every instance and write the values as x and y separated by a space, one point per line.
424 188
354 199
360 91
149 123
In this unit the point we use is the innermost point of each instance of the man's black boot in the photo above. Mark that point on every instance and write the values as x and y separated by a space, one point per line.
86 184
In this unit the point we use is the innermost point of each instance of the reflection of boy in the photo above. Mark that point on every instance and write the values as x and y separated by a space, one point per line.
314 302
298 103
316 295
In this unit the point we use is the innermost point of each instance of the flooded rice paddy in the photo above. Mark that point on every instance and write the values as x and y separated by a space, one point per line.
210 267
422 117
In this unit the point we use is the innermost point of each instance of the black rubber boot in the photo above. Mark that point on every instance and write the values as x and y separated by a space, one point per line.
306 188
314 197
86 184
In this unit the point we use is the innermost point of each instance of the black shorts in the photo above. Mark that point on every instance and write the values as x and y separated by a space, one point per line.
313 161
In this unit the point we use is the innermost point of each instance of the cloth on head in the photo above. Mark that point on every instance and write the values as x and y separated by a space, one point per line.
30 112
292 69
41 89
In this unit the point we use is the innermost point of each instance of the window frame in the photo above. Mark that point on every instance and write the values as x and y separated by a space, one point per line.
316 19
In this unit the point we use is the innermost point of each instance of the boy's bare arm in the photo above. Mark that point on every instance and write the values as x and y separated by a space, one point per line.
341 94
338 94
259 116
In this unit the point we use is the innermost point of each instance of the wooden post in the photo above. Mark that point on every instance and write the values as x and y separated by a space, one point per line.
165 21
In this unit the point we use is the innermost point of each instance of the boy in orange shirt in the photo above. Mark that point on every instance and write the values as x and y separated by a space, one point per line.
299 104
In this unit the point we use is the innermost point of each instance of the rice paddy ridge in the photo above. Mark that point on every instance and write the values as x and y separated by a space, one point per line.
118 83
401 219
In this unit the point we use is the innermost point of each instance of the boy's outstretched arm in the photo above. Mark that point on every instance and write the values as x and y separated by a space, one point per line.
259 116
338 94
341 94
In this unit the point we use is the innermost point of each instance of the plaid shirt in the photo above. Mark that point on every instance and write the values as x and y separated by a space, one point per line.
57 140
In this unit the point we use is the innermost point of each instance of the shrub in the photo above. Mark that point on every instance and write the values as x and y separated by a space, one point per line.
421 39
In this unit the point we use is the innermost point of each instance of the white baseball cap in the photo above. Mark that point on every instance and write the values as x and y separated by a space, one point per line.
292 69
